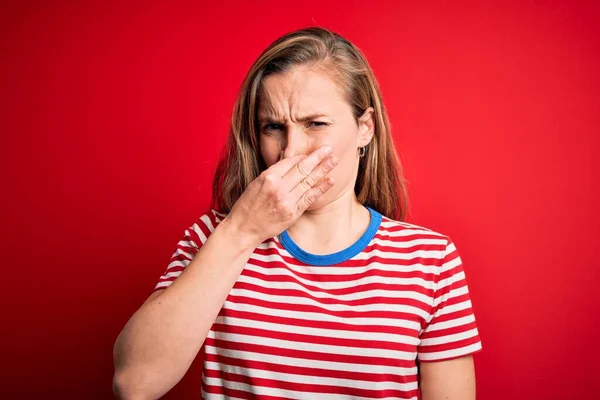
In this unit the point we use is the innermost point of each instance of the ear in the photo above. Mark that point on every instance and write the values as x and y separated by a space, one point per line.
366 127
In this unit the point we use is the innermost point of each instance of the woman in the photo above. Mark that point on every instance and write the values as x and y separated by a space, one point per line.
302 282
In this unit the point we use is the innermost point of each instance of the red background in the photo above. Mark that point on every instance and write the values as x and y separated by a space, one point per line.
113 116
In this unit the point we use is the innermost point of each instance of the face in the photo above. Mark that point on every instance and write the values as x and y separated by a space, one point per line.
304 109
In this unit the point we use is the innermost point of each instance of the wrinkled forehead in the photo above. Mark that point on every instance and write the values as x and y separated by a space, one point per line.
300 91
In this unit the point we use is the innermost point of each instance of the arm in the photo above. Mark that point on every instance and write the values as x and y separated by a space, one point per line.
450 337
160 341
448 380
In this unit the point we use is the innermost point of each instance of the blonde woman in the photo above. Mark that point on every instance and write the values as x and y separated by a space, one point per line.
302 282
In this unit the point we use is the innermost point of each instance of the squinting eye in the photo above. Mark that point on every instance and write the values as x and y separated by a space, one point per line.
272 127
319 123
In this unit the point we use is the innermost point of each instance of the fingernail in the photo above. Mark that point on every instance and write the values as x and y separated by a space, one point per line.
327 150
334 160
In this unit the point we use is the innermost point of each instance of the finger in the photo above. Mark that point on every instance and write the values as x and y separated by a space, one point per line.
317 174
304 168
282 167
313 194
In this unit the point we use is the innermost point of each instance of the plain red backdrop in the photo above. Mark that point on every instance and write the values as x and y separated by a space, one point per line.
113 116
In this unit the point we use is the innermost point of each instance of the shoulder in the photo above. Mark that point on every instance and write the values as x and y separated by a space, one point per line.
205 224
404 231
415 243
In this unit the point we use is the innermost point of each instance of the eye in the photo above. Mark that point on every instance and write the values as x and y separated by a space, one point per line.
318 123
272 127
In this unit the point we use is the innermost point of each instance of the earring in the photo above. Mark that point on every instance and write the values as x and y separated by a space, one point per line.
362 151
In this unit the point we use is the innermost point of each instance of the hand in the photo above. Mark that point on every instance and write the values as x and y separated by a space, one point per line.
279 196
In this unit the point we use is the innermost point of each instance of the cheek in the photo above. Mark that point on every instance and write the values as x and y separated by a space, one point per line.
345 149
344 145
270 150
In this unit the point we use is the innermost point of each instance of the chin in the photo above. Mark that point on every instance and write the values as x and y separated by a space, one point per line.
320 203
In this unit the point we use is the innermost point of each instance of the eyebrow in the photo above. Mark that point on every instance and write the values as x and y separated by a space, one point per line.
302 118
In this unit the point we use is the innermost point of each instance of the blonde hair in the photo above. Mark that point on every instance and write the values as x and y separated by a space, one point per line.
379 184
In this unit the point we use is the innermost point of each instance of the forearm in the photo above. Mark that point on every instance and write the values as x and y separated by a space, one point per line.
163 337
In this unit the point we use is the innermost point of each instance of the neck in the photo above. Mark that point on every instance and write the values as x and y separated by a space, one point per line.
331 228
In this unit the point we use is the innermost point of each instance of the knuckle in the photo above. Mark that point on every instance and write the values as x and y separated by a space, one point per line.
279 198
285 211
302 168
269 179
309 198
308 182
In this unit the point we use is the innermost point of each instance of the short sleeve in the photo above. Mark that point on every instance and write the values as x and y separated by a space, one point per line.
450 331
191 242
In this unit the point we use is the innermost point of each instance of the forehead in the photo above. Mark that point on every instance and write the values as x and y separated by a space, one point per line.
301 90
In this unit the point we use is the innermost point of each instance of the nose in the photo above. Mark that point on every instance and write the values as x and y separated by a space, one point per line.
295 143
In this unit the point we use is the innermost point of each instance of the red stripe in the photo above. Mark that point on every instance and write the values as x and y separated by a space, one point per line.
449 331
314 309
353 263
451 316
312 339
404 250
363 287
392 330
238 393
382 300
309 388
307 371
459 344
352 302
452 300
192 238
310 355
351 276
386 234
213 220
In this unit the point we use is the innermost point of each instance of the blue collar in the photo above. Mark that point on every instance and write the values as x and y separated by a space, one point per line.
340 256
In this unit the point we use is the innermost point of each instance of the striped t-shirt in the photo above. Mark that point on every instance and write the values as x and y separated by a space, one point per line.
349 325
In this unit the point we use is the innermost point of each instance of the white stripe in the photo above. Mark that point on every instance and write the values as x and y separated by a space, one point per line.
330 333
308 363
207 222
400 308
450 248
316 347
196 228
163 284
344 270
451 294
310 380
217 396
449 265
450 353
178 263
451 324
267 391
174 274
449 338
408 231
331 285
454 307
408 243
390 255
365 294
180 252
319 316
218 216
